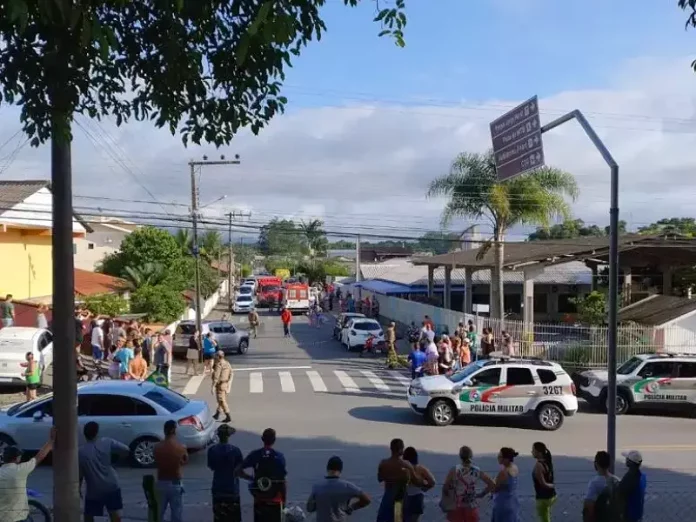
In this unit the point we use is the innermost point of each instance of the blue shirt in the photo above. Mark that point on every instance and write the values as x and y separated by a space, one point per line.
253 459
124 356
633 487
223 460
208 346
417 359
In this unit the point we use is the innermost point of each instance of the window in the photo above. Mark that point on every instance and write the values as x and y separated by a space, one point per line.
90 246
45 340
540 303
244 298
546 376
519 377
186 329
303 294
94 405
687 370
629 366
142 408
74 248
45 407
365 326
292 294
490 376
513 303
168 399
659 369
227 328
565 305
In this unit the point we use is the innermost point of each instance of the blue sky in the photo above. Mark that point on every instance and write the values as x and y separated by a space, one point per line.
485 49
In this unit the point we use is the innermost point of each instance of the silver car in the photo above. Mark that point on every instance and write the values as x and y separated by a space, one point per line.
132 413
230 339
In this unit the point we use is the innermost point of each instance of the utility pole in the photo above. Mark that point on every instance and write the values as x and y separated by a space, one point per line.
230 262
194 219
357 258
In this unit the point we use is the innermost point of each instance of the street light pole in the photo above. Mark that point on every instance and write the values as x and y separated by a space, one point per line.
194 219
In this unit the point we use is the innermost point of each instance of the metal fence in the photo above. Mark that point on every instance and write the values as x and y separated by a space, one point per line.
573 345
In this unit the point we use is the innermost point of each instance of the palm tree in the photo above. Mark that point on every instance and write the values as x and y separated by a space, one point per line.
474 191
183 239
314 237
210 244
150 274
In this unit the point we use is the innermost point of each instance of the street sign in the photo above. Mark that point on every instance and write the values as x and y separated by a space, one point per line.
517 143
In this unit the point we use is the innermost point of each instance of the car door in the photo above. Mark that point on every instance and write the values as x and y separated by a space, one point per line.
521 391
46 349
655 384
684 386
114 413
345 330
232 334
480 392
225 336
32 427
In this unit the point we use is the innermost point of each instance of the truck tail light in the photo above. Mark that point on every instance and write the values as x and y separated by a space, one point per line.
192 420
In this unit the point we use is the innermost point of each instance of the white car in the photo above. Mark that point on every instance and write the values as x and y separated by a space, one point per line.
505 387
245 290
243 303
357 331
658 380
15 342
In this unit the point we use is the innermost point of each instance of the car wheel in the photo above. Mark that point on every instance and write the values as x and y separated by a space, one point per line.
441 412
243 347
550 417
5 441
143 452
622 403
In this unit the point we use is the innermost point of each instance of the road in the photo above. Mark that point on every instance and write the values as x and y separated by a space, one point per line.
323 401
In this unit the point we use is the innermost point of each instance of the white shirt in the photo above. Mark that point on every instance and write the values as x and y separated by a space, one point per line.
97 336
13 491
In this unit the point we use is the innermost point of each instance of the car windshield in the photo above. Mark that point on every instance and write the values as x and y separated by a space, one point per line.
168 399
246 298
367 325
270 288
245 290
466 372
186 329
23 406
629 366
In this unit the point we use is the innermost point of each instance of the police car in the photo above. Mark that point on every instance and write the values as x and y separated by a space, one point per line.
662 380
502 386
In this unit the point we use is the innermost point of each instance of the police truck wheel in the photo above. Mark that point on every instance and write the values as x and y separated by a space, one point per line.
550 417
441 412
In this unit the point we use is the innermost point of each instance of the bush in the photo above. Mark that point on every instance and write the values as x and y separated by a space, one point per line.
246 270
160 303
106 304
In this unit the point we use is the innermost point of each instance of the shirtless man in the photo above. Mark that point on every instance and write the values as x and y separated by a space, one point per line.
396 473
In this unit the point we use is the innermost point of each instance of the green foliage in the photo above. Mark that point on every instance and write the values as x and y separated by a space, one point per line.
684 226
161 303
572 228
246 270
280 237
318 271
438 242
106 304
146 245
314 238
210 245
183 238
203 68
592 308
149 274
244 254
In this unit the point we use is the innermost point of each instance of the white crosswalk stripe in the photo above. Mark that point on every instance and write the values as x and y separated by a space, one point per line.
192 385
317 382
256 382
401 378
347 381
375 380
286 382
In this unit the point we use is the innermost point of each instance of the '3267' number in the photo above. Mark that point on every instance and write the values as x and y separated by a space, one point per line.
553 390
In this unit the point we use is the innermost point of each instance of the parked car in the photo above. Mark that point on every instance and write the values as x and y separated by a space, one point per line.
341 322
15 342
229 337
243 304
130 412
358 330
245 290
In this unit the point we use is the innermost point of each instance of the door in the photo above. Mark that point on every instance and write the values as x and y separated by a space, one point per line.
655 384
684 386
483 393
46 349
224 334
521 391
32 433
115 415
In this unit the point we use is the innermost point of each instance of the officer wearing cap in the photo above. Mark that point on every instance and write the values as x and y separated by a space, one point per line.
632 487
222 380
223 460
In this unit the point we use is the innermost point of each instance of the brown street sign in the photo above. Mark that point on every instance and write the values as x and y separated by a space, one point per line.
517 142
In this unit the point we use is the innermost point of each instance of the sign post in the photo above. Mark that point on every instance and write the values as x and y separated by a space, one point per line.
517 144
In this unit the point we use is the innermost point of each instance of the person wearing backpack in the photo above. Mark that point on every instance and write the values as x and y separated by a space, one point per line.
602 501
267 484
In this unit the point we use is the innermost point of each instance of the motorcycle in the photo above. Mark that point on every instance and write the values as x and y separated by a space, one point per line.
37 511
373 347
90 370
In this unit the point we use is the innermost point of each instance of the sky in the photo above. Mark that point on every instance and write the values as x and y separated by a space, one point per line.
369 124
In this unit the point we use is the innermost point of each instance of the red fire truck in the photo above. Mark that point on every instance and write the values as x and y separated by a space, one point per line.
296 297
268 290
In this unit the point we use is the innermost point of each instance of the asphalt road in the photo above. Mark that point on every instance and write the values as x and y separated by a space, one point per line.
323 401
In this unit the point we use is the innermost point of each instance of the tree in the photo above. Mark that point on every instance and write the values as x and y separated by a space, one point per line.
183 239
149 274
592 308
314 238
683 226
438 242
474 192
106 304
160 303
244 254
146 245
280 237
572 228
210 244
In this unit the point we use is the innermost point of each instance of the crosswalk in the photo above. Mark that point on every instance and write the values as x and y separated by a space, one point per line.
288 381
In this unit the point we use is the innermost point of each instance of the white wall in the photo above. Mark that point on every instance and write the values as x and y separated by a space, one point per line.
88 258
680 336
208 306
35 211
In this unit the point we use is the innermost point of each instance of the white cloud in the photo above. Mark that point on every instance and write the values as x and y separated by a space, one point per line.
370 164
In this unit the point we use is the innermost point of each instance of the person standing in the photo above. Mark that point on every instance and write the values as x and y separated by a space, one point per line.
459 496
7 311
163 356
222 380
543 479
632 487
193 353
602 498
414 502
41 320
97 341
210 347
253 319
146 345
137 368
334 499
395 473
170 457
32 375
418 360
390 337
286 318
13 480
124 355
506 503
223 460
102 490
268 483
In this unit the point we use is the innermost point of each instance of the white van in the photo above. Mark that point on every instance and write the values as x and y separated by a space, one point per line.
15 342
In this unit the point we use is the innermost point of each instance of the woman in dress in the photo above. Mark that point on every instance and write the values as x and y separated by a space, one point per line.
460 488
506 504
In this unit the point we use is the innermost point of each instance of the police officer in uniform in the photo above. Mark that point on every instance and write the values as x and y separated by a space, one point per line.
253 319
222 379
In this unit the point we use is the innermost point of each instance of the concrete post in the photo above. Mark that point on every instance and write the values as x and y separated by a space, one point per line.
468 291
528 309
667 281
447 298
431 281
627 286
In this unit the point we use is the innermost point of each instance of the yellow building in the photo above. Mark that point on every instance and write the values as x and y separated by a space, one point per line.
26 264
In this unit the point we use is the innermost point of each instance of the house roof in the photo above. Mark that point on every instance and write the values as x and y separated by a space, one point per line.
403 272
657 310
13 192
92 283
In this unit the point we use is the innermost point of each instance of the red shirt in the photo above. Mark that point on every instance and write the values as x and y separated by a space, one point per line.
286 316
